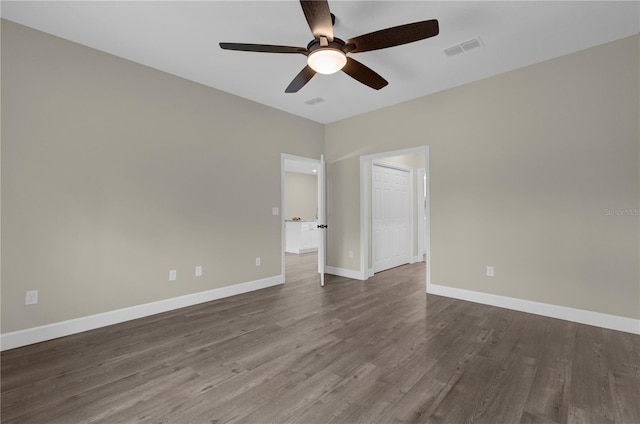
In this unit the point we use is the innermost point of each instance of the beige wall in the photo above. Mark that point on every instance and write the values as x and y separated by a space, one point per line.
114 173
524 167
301 195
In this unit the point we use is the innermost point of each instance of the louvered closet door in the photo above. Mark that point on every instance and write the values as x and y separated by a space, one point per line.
391 217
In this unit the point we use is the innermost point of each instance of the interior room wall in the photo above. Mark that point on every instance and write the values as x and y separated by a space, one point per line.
114 173
534 171
301 197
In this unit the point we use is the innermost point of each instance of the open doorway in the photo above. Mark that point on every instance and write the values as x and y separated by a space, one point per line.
301 213
394 209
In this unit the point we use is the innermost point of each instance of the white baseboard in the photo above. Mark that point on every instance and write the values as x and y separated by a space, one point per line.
370 273
341 272
301 251
416 259
78 325
613 322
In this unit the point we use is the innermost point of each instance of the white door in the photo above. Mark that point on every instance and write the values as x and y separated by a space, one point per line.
391 212
322 220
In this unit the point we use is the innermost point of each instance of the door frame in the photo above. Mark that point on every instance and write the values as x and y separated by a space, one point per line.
283 158
420 196
411 191
364 212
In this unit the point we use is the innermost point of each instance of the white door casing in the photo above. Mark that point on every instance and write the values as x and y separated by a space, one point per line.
421 197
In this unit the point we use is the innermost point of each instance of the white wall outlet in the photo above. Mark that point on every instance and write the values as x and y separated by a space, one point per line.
490 271
173 275
351 254
198 270
31 297
258 262
275 210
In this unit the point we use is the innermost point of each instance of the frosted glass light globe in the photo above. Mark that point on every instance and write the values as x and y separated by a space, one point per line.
327 61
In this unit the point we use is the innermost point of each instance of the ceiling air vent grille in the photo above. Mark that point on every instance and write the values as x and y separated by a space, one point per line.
465 46
471 44
454 50
314 101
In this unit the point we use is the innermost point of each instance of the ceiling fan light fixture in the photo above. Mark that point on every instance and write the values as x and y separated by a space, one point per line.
327 54
327 61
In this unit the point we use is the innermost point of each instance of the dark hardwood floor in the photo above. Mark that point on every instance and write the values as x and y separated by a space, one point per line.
379 351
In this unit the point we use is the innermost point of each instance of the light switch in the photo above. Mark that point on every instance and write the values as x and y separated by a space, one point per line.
199 271
275 210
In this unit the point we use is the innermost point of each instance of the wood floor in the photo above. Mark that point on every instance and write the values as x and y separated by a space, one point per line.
379 351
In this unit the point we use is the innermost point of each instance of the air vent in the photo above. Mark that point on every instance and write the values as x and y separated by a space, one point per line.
471 44
465 46
452 51
314 101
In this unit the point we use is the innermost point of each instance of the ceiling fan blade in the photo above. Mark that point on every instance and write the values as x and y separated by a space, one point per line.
365 75
394 36
319 18
300 80
263 48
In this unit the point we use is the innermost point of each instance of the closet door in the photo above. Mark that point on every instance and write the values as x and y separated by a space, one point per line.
391 217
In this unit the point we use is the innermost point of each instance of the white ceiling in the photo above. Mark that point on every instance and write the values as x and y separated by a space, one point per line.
301 166
182 38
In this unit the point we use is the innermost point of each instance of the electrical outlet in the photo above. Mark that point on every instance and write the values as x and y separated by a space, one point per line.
351 254
173 275
275 211
490 271
199 271
31 297
258 262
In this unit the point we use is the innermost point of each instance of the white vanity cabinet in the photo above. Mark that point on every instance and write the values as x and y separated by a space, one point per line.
301 236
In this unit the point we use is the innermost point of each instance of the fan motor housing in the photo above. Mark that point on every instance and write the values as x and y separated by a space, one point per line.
336 44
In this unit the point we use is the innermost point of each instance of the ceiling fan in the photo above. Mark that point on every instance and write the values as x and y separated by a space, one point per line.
327 54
